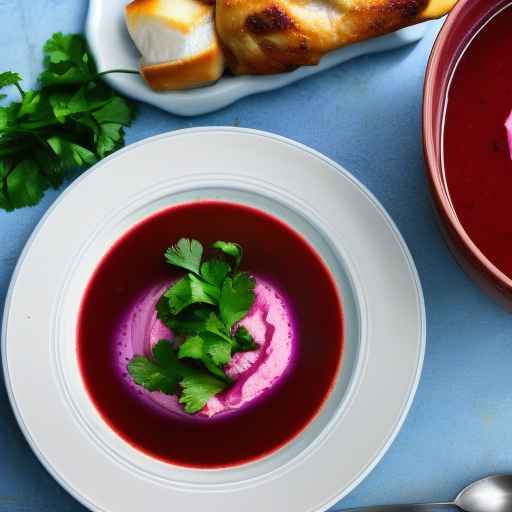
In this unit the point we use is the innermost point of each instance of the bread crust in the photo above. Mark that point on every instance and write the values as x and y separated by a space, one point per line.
201 69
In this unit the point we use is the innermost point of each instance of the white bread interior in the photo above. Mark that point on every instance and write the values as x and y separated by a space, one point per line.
177 41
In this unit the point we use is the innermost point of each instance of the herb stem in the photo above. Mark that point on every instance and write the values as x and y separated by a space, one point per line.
28 127
20 90
12 150
126 71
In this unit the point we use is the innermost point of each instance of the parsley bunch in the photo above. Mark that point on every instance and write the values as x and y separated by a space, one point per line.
71 122
202 309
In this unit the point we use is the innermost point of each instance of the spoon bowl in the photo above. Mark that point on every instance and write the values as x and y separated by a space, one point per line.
491 494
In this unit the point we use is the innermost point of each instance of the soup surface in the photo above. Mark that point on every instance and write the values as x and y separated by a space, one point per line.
477 161
278 389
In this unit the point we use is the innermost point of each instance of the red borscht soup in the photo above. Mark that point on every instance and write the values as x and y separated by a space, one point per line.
477 160
277 390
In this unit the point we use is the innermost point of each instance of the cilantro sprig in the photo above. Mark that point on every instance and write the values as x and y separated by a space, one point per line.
73 120
166 373
202 309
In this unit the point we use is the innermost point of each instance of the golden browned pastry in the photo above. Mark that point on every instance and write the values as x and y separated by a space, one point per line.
273 36
178 42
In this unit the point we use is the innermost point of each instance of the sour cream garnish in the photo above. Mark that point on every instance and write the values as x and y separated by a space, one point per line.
254 373
508 127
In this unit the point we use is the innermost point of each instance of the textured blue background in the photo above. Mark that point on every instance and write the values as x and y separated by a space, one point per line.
365 115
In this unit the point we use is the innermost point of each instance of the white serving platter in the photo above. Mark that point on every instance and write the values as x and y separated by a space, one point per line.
113 49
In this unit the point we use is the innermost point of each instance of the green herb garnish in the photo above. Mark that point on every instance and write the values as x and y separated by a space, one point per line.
166 373
202 309
72 121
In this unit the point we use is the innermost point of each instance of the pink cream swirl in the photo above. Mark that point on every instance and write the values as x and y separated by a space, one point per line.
508 127
254 373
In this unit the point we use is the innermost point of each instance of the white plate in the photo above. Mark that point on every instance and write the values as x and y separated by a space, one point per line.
113 49
383 308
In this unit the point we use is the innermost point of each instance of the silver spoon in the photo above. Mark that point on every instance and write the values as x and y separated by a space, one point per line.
491 494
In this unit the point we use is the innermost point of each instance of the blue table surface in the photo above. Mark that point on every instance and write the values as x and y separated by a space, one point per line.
365 115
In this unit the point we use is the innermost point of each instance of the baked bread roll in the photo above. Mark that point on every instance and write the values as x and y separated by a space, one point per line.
274 36
177 41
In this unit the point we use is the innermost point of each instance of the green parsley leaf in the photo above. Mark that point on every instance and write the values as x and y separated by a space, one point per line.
9 78
24 185
201 309
163 311
71 155
186 254
231 249
244 339
191 290
193 348
162 374
8 117
215 271
217 348
109 138
71 122
190 321
116 110
212 351
166 373
236 299
198 389
207 346
214 325
29 104
66 61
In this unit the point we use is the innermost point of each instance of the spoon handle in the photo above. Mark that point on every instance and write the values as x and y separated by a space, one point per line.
413 507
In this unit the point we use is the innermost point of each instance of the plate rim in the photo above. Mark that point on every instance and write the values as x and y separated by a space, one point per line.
328 502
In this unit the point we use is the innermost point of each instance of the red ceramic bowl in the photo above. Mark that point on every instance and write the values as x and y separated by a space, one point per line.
460 26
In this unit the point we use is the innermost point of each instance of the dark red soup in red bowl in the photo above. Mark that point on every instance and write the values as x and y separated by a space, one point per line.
215 354
468 101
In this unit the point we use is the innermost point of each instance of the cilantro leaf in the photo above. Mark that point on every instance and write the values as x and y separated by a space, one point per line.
198 389
25 185
73 120
209 348
231 249
4 200
214 325
215 271
9 78
244 339
163 311
71 155
8 116
67 61
166 373
193 348
211 353
29 104
186 254
163 373
190 321
62 48
109 138
236 299
201 309
116 110
217 348
191 290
